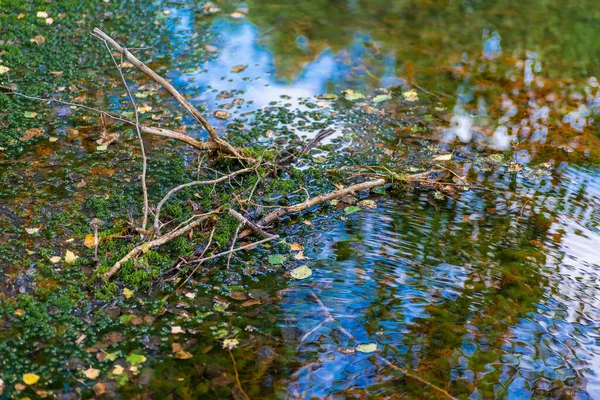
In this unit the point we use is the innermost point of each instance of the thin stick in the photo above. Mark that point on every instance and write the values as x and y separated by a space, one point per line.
248 223
235 237
156 226
282 212
139 135
307 334
144 247
212 233
237 376
225 146
248 246
146 129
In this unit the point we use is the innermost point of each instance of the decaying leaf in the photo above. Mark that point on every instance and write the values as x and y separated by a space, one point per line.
127 293
250 302
176 330
411 95
367 348
89 241
352 95
99 389
31 133
367 203
3 69
118 370
31 231
91 373
38 39
55 259
30 379
296 247
302 272
515 167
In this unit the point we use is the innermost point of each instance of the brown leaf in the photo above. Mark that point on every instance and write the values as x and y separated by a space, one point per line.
296 247
176 347
105 140
222 114
182 355
39 40
238 295
250 303
31 133
238 68
99 389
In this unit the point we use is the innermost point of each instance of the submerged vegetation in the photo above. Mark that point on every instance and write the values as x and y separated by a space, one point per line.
439 275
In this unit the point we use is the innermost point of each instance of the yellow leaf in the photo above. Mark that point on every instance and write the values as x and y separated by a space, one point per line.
411 95
49 21
89 241
118 370
53 139
91 373
443 157
229 344
70 257
31 231
296 247
42 14
30 379
182 355
127 293
3 69
176 330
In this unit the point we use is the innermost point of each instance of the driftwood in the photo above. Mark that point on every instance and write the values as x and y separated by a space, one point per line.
282 212
223 145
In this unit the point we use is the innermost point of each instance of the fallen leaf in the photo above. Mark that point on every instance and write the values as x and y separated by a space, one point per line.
367 348
3 69
238 68
302 272
30 114
190 295
368 203
89 240
126 64
351 95
53 139
42 14
144 109
31 231
296 247
49 21
237 14
182 355
38 39
70 257
30 379
56 73
135 359
351 209
411 95
99 389
276 259
127 293
514 167
20 312
55 259
230 344
222 114
31 133
381 98
211 49
176 329
250 303
20 386
118 370
300 256
21 16
443 157
91 373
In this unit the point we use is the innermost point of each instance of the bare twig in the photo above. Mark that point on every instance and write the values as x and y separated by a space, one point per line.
156 226
224 253
139 135
237 376
144 247
282 212
248 223
235 237
224 145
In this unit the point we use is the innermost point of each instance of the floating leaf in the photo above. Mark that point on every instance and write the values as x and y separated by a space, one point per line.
30 379
302 272
237 14
230 344
276 259
328 96
368 203
222 114
351 209
296 247
135 359
381 98
182 355
70 257
352 95
144 109
238 68
443 157
31 231
3 69
367 348
91 373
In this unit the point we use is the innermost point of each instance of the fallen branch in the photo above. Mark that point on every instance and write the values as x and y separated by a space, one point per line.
171 192
251 225
144 247
224 145
282 212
